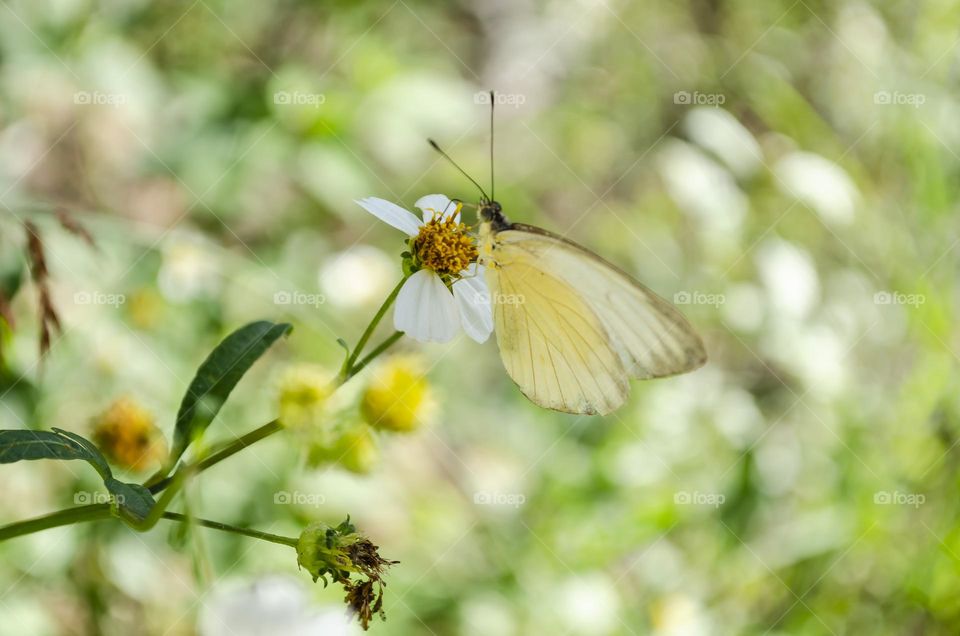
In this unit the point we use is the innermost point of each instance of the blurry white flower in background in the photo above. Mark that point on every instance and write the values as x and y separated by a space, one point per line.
268 606
819 183
680 615
189 269
704 189
358 276
636 464
485 615
399 115
778 459
589 604
719 132
744 307
737 417
790 278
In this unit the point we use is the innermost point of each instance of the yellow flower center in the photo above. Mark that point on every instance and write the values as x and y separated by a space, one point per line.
444 246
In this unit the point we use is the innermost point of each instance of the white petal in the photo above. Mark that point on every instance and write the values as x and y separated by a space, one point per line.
392 214
426 310
438 203
473 299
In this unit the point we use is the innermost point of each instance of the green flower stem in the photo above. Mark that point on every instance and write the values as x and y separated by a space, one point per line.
348 366
55 520
383 346
225 527
226 451
93 512
96 512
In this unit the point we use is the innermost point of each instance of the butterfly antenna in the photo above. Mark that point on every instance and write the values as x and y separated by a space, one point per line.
454 164
493 189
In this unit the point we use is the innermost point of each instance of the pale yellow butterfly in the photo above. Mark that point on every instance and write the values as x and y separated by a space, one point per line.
572 328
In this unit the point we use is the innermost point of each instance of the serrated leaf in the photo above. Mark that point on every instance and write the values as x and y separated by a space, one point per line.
217 377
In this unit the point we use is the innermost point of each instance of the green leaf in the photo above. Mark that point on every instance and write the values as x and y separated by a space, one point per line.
20 445
59 444
133 498
217 377
96 457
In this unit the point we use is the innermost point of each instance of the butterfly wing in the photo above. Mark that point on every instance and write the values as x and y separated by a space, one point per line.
646 334
551 342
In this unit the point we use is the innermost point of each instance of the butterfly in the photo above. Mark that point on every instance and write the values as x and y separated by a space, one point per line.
572 328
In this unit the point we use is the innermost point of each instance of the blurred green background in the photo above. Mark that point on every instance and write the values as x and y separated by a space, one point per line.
784 171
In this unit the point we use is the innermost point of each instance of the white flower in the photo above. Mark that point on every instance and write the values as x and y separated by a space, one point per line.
427 308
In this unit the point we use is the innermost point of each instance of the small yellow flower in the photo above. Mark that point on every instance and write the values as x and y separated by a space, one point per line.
128 437
398 396
304 390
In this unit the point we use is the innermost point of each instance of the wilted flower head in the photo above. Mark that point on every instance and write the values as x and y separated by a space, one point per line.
128 437
398 396
341 553
304 389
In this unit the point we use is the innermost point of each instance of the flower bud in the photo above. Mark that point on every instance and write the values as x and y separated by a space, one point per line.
304 390
126 434
398 396
353 446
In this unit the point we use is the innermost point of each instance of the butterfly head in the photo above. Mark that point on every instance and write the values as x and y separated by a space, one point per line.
491 212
